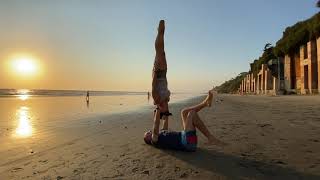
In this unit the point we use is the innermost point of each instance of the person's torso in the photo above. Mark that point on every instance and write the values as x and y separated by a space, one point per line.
169 140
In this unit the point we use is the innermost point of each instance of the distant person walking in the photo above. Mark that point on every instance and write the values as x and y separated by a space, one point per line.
87 98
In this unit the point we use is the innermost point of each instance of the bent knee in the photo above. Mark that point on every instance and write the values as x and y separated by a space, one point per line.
184 112
191 113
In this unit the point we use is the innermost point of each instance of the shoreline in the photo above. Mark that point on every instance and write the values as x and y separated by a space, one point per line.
83 127
268 139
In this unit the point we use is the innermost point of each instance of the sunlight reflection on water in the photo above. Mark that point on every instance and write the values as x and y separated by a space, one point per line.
24 127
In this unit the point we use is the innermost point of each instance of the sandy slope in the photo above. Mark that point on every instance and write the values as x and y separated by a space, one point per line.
269 138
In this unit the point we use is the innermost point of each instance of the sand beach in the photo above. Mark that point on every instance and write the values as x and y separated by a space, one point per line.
268 138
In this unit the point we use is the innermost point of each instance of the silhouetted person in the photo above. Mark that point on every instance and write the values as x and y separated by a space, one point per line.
160 91
87 98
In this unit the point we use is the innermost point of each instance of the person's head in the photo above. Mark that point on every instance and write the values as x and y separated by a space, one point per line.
161 26
147 137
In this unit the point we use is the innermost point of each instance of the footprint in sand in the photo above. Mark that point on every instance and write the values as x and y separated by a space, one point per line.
134 170
135 161
184 175
314 140
78 171
159 166
16 169
94 162
313 166
43 161
27 163
70 143
176 169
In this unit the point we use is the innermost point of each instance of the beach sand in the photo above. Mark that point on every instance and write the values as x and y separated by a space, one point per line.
268 138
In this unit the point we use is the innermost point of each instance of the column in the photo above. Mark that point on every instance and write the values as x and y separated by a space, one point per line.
275 85
287 72
266 81
318 59
310 77
303 91
258 84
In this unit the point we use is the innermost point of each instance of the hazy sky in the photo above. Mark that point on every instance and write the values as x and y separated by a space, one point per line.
109 45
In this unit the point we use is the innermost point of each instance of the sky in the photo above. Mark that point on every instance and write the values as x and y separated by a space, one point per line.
109 44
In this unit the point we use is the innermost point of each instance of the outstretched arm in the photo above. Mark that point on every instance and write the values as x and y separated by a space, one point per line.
156 124
165 125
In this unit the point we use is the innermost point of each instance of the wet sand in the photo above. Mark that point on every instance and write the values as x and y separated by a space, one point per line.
268 137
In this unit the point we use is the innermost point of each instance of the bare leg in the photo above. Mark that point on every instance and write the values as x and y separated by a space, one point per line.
205 103
191 120
160 59
198 123
160 63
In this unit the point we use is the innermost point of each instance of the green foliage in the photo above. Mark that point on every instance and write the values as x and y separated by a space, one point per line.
293 37
297 35
266 56
231 86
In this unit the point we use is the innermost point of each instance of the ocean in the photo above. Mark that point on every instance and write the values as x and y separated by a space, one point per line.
27 113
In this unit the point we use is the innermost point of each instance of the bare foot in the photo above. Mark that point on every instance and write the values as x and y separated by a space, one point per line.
214 141
208 100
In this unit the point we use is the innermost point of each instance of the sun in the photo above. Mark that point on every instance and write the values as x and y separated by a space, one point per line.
24 65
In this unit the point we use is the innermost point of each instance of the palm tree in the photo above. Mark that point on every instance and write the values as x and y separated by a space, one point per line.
267 46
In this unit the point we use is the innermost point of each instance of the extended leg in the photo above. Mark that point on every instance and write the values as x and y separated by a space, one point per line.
160 59
160 66
205 103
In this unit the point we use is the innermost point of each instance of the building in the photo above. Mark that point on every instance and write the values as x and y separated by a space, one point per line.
302 69
300 73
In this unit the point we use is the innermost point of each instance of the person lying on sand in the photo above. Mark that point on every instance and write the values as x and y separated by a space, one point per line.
160 92
185 140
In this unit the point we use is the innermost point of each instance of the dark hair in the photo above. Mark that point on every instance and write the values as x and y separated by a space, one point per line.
147 140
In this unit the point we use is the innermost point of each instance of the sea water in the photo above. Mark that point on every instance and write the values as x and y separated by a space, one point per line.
26 113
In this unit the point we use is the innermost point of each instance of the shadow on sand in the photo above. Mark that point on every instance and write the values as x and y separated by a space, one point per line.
234 167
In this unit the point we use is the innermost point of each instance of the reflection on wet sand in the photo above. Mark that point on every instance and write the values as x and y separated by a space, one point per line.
24 125
23 97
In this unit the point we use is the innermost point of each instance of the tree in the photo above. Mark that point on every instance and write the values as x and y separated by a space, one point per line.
232 85
318 4
266 47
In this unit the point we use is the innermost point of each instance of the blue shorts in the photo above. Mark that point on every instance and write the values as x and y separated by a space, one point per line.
189 140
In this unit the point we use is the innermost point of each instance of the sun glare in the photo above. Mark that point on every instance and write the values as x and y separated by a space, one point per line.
24 65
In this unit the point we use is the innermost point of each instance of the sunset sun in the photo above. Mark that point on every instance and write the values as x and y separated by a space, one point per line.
24 66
